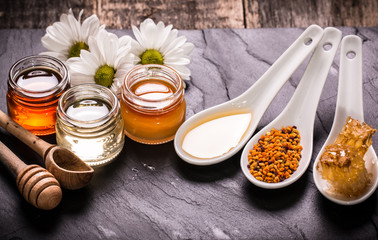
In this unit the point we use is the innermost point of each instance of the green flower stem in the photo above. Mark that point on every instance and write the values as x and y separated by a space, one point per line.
104 75
151 56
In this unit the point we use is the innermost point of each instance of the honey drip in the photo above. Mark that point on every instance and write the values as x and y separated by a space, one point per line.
342 163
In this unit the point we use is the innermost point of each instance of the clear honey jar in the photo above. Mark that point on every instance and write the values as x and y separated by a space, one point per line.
89 123
152 103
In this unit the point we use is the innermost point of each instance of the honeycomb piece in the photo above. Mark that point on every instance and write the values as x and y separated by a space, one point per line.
357 135
342 163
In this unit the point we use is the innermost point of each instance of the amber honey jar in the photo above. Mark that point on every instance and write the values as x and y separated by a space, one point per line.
35 84
152 104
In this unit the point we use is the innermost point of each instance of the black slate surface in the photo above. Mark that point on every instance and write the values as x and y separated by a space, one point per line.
148 192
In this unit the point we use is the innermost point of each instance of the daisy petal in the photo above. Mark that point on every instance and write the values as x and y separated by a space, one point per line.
177 61
182 70
174 50
57 55
77 79
177 43
105 48
62 35
188 48
137 35
90 27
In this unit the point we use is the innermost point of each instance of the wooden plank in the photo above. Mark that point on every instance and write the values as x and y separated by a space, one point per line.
120 14
302 13
38 13
195 14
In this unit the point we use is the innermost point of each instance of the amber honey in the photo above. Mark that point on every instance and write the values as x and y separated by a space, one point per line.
153 105
34 86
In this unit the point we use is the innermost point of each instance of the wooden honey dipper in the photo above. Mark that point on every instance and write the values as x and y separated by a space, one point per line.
71 172
36 184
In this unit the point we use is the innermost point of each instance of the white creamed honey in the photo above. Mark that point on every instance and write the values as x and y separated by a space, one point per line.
217 136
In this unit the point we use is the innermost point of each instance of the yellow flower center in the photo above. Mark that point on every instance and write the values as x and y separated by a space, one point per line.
104 75
75 49
151 56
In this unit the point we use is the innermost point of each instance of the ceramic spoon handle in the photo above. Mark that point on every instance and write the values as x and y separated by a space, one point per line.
34 142
309 89
349 97
265 89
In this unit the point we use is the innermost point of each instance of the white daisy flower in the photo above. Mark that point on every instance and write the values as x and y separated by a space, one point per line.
160 45
66 38
106 64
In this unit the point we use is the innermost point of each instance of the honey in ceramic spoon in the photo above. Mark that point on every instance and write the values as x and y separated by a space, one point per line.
216 137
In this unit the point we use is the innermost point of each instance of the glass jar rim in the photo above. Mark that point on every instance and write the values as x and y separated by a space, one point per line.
80 123
63 82
126 88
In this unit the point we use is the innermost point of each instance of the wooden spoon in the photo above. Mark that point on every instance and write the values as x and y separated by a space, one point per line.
71 172
36 184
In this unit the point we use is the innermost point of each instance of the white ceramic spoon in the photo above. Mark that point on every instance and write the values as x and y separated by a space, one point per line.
256 99
349 103
301 109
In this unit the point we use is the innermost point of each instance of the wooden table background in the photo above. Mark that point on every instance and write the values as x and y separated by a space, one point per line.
195 14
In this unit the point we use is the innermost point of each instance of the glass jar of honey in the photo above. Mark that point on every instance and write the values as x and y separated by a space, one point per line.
152 104
89 123
35 84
